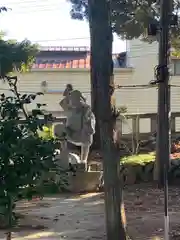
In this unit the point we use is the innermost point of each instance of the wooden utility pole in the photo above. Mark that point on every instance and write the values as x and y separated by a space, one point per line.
163 91
101 71
163 140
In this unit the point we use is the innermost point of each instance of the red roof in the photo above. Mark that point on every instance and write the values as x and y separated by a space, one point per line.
83 62
80 63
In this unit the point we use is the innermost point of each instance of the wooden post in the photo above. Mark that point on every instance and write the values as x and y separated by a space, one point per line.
153 123
173 124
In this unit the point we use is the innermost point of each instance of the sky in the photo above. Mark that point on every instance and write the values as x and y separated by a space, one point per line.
48 23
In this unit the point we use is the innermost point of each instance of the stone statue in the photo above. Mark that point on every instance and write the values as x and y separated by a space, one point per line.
80 123
68 89
66 160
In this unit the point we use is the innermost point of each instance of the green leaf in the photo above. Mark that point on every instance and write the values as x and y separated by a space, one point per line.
25 156
130 19
24 96
40 93
33 96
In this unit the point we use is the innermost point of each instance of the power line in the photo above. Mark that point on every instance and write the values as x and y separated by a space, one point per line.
61 39
18 9
30 1
29 6
34 7
82 38
32 4
117 88
34 11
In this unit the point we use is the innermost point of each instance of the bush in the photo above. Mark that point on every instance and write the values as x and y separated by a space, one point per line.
141 159
46 132
25 156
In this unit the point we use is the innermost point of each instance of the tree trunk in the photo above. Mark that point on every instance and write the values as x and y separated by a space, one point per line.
101 69
94 101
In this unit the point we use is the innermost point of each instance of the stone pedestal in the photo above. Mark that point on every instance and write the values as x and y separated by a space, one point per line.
84 181
81 167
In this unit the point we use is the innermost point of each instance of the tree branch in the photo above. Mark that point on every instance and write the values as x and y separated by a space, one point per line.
15 91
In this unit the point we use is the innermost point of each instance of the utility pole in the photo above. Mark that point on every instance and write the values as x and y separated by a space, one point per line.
163 119
163 91
101 73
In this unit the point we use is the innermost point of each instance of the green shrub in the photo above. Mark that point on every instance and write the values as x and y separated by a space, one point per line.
46 132
25 156
141 159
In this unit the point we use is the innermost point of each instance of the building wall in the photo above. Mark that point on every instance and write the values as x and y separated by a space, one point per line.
58 78
143 57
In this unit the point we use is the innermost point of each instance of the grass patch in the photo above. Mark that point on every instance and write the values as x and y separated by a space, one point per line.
140 159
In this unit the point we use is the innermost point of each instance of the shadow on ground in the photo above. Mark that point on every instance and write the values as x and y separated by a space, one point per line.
81 217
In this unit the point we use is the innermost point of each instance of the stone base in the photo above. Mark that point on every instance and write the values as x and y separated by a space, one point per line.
81 167
84 182
95 166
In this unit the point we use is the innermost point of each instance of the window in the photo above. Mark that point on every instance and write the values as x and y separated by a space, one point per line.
175 67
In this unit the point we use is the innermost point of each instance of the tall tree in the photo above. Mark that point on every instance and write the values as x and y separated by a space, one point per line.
14 54
101 73
130 19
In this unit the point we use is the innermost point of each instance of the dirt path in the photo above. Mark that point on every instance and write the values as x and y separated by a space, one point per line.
82 217
59 218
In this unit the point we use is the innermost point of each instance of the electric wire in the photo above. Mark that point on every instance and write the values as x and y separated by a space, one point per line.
61 39
32 7
31 11
117 88
32 4
31 1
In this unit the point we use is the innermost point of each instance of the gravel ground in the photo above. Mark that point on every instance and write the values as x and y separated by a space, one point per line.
82 217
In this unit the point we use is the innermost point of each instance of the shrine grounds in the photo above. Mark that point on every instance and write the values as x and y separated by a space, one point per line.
81 217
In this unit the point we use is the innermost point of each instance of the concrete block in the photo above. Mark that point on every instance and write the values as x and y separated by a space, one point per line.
84 182
95 167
